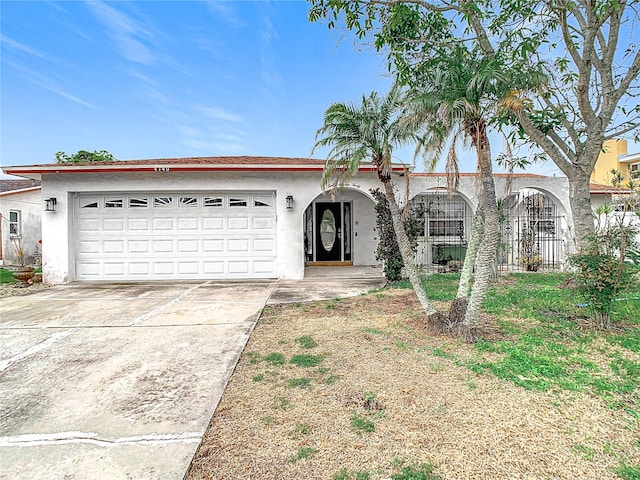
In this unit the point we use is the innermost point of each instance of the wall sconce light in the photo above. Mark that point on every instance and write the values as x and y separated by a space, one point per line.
50 204
289 201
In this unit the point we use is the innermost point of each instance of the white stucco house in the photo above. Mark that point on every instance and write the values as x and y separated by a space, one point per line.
263 217
20 217
199 218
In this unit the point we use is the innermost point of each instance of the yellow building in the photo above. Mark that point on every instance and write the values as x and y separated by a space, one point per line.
614 156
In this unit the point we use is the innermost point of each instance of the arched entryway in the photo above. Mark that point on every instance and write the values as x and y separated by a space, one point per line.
340 230
533 226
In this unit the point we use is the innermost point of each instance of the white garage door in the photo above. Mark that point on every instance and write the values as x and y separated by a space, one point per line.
157 236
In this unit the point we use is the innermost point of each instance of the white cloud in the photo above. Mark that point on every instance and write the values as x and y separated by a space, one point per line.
128 34
225 12
16 46
46 82
269 73
216 113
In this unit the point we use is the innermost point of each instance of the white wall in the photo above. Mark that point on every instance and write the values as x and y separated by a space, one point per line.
30 206
58 258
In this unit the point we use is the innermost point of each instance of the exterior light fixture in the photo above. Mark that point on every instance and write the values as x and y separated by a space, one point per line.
50 204
289 201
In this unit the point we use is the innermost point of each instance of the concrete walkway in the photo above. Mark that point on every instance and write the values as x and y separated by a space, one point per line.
325 283
119 381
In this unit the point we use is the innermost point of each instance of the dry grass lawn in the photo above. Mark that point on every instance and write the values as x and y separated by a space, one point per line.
380 371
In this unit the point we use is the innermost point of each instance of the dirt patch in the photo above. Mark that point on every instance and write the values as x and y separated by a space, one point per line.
386 393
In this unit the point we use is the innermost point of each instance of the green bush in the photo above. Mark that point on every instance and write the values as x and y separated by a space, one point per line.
388 250
603 271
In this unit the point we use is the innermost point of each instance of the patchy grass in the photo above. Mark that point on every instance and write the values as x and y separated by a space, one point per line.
545 396
6 276
306 342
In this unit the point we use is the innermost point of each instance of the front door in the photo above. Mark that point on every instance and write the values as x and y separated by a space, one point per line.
328 232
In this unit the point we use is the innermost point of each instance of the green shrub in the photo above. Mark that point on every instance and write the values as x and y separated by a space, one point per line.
602 269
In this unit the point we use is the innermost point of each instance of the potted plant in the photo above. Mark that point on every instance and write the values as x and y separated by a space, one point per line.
22 272
531 263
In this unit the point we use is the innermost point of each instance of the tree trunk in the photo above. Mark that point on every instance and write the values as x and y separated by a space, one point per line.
477 231
489 246
405 249
459 305
580 201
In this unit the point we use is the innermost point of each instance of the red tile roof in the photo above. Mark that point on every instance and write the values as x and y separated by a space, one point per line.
242 163
499 175
599 189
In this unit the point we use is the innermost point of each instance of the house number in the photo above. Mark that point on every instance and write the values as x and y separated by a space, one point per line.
160 169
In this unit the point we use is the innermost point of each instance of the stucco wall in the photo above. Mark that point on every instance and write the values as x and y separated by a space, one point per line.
58 257
30 207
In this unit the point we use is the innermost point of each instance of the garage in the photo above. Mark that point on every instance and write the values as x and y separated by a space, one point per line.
174 235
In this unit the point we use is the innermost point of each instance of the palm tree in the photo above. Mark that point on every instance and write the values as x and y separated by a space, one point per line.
457 98
371 131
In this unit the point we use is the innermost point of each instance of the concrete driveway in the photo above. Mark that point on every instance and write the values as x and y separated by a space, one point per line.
117 381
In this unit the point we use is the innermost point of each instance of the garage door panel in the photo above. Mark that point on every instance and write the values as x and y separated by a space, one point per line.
214 224
238 223
146 236
89 246
238 245
88 269
188 268
138 224
239 267
139 268
215 268
188 246
187 224
113 246
113 224
162 224
264 266
114 269
138 246
263 245
89 225
162 246
213 245
162 268
264 223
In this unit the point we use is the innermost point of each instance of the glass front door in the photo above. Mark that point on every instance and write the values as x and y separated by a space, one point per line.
330 231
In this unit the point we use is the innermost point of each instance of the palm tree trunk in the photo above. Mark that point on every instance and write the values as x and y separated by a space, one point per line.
405 249
459 305
489 246
477 231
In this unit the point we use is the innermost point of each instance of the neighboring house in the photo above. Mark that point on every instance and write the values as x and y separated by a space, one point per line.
20 219
614 157
259 217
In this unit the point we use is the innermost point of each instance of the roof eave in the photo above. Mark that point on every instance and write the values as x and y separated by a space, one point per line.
34 171
21 190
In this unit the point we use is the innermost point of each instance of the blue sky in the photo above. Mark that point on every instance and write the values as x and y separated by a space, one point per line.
175 79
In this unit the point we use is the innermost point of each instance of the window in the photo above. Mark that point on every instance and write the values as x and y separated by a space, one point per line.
188 201
446 228
212 201
89 202
138 202
238 201
160 202
113 203
445 217
262 201
14 223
